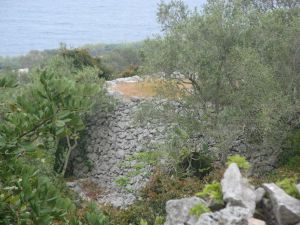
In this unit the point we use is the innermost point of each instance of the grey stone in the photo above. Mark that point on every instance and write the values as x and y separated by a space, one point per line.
161 129
123 125
71 184
120 153
117 199
286 208
104 167
178 210
259 193
232 215
236 190
253 221
298 187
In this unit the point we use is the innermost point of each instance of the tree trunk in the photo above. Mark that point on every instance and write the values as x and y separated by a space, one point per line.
70 149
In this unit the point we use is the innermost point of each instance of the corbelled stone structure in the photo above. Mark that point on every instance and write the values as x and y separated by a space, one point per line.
111 137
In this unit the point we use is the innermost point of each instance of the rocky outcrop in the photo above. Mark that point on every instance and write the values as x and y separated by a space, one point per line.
285 207
178 211
237 193
243 204
236 189
232 215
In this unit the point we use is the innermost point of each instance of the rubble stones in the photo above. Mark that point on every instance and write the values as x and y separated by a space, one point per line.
285 207
232 215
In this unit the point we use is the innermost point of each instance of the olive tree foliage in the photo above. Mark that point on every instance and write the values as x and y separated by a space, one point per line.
169 15
34 120
275 4
242 59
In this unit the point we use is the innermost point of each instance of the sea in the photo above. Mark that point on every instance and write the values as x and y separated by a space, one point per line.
27 25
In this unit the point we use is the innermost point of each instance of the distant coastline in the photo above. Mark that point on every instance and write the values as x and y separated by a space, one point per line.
43 24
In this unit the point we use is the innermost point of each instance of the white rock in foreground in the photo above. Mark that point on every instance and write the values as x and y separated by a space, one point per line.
298 187
236 190
253 221
259 194
286 208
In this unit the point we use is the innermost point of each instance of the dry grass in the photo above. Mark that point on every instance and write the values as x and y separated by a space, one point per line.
151 88
91 189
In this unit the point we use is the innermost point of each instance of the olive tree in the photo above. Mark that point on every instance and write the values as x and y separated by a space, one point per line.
242 61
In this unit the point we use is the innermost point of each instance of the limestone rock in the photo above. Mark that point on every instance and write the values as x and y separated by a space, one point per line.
236 190
178 210
285 207
232 215
259 194
253 221
117 199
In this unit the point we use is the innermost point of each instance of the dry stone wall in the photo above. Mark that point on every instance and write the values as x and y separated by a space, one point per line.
110 137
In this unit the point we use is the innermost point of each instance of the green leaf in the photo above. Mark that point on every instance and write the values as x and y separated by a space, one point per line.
60 123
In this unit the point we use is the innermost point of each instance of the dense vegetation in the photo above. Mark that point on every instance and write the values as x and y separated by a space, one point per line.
242 58
40 125
119 59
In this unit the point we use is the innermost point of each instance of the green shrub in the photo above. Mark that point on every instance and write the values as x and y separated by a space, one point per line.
8 79
130 71
81 58
195 163
289 186
293 163
198 210
158 221
212 191
290 156
122 181
143 222
94 216
48 109
240 161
